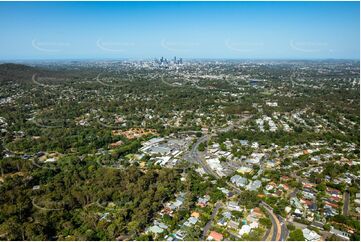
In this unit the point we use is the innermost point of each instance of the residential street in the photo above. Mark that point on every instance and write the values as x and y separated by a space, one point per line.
209 224
278 232
346 203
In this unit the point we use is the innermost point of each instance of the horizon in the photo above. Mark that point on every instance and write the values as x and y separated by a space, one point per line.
191 30
5 61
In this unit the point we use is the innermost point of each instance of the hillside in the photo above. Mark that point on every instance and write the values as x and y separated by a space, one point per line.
10 72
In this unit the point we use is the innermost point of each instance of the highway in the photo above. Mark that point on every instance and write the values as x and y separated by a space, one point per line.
276 225
284 230
267 234
280 231
194 156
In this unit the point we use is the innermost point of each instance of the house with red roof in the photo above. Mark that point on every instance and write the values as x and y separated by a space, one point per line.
215 236
331 204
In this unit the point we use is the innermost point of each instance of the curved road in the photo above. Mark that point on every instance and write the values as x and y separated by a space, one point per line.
280 232
276 235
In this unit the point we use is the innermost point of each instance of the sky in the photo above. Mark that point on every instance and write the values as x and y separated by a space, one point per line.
142 30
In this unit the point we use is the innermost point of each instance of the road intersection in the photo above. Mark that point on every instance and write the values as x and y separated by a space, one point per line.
279 231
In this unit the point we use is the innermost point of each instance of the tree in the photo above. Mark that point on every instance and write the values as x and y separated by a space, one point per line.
321 187
291 227
202 147
265 222
296 235
327 227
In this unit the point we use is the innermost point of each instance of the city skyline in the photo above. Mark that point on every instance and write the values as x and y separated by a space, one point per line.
191 30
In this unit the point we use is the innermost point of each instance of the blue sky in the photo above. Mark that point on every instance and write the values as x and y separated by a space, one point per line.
251 30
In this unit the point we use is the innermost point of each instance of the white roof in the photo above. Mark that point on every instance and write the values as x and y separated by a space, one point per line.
298 211
254 224
244 230
239 181
288 209
254 185
155 229
310 235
